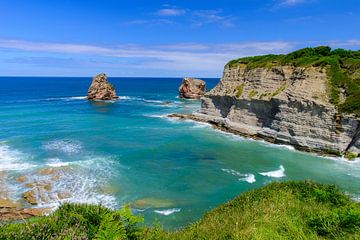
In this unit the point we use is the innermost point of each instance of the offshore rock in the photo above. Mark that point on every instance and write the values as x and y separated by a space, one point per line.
192 88
281 104
101 89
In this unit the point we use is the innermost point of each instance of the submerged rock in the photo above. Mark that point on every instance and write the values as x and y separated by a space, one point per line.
192 88
31 197
21 179
101 89
152 202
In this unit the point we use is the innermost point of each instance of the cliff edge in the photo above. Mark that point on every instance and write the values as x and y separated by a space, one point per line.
309 99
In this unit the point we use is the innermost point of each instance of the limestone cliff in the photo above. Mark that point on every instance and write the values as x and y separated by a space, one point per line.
283 104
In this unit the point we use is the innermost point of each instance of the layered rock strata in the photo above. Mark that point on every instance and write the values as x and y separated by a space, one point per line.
281 104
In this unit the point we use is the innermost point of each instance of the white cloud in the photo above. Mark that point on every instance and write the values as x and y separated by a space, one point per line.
195 18
292 2
171 12
184 58
203 17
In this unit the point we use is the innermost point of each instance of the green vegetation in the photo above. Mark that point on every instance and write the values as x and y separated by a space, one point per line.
281 210
342 66
239 90
280 89
350 155
77 221
252 93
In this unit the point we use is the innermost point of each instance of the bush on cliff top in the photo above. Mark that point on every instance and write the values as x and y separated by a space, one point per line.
342 68
288 210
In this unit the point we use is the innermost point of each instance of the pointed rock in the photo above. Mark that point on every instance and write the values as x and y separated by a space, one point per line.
101 89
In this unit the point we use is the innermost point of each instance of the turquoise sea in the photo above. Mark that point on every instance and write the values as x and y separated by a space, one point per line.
127 151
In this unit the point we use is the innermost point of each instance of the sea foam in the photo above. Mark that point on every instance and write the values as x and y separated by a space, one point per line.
275 174
11 159
85 182
167 212
246 177
64 145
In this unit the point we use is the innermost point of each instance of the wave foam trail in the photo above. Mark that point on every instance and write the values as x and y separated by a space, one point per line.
247 177
11 159
56 162
156 115
66 146
82 182
275 174
167 212
250 178
79 98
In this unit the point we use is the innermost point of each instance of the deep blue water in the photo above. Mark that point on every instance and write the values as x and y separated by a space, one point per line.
127 151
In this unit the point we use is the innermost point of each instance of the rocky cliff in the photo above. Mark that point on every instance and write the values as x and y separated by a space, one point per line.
283 104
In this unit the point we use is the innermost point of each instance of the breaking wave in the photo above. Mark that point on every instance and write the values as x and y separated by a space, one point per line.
167 212
275 174
11 159
246 177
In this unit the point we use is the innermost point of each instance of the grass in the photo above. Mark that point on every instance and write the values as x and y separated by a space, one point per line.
280 89
342 66
77 221
281 210
239 90
252 93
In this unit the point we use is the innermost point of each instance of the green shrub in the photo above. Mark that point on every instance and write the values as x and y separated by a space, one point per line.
77 221
252 93
239 90
280 89
280 210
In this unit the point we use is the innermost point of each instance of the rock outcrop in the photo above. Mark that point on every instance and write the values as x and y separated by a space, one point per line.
281 104
192 88
101 89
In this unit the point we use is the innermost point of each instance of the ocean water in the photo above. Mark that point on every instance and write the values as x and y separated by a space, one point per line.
127 151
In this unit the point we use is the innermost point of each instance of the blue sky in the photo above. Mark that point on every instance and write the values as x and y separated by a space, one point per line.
163 38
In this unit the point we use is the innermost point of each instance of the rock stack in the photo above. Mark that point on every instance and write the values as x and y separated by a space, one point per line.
192 88
101 89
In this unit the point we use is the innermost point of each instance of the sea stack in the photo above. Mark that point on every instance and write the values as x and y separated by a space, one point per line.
192 88
101 89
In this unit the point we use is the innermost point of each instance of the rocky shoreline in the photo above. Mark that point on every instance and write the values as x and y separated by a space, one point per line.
281 104
222 126
36 192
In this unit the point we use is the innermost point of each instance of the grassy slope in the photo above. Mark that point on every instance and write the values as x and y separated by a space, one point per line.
290 210
343 68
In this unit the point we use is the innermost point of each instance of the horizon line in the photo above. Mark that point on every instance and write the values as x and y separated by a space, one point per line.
95 75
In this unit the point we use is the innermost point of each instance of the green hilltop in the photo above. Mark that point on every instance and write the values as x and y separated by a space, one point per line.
342 66
281 210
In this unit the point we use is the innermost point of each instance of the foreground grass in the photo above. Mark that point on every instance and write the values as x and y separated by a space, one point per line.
289 210
342 66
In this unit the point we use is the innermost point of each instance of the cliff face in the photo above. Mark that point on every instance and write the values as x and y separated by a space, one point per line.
282 104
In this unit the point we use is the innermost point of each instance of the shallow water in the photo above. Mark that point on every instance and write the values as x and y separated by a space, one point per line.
127 151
